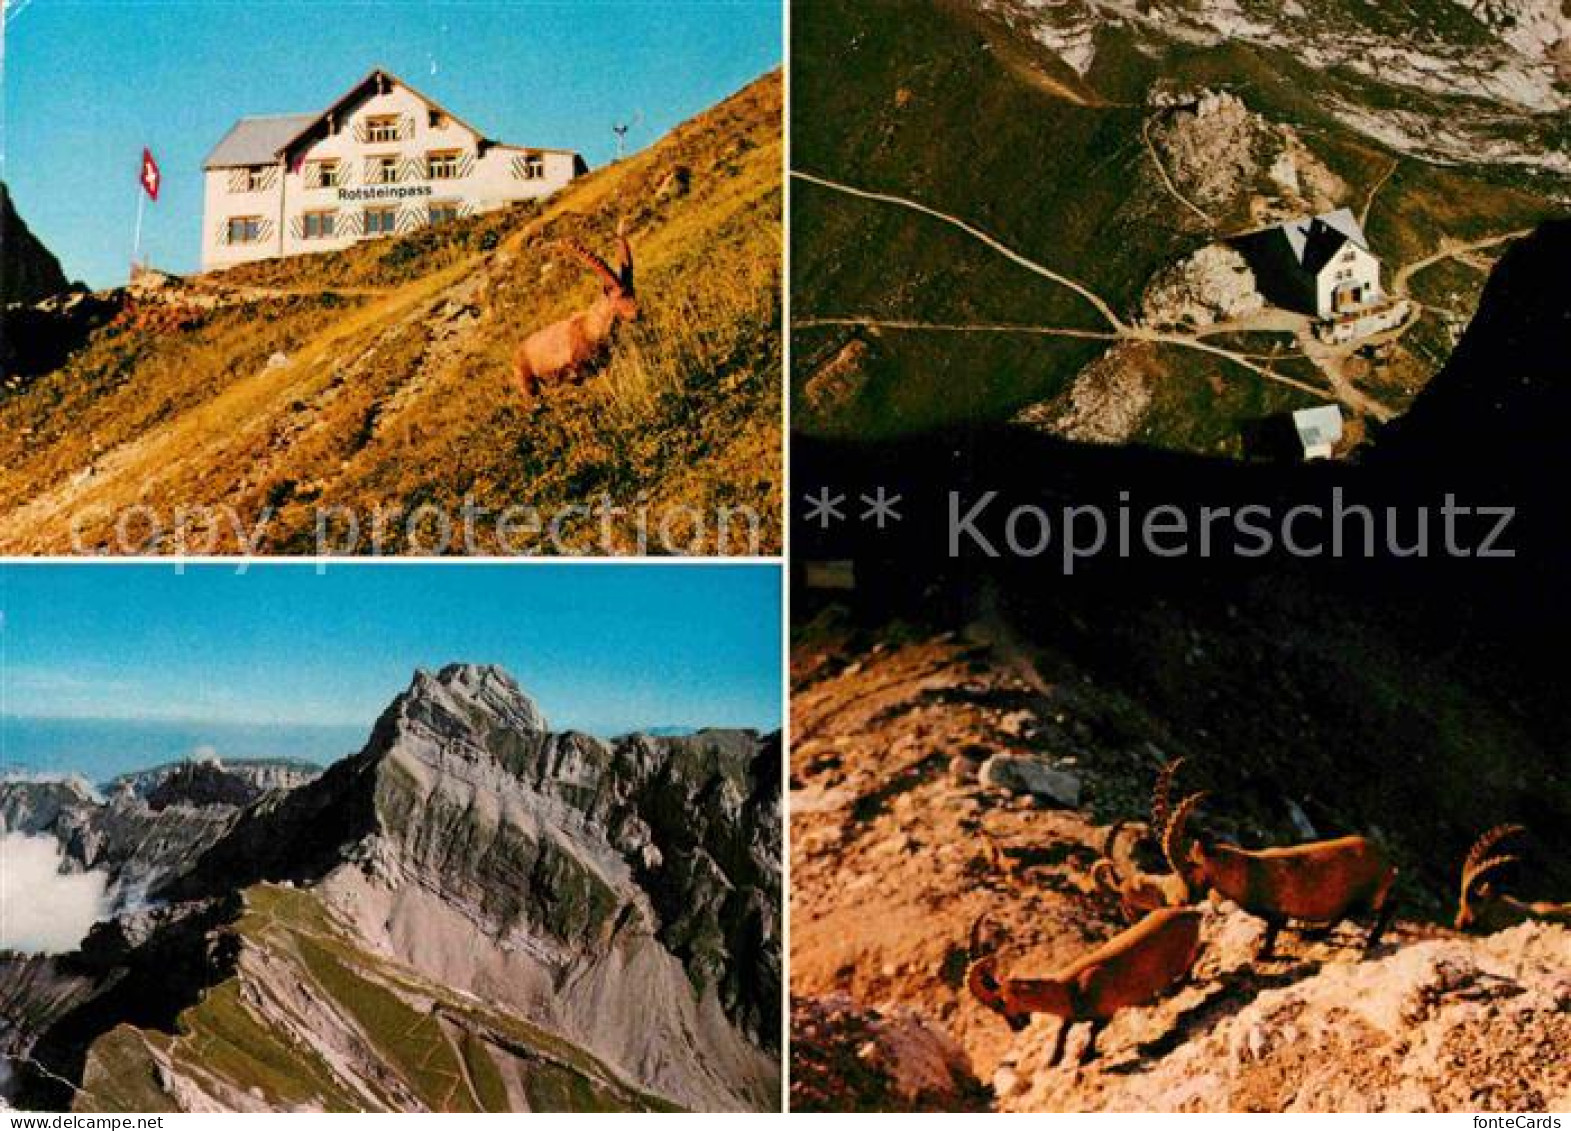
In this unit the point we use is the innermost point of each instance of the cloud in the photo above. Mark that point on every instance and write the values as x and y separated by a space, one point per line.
42 910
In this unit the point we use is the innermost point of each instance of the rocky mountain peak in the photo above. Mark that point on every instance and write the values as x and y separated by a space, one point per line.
473 694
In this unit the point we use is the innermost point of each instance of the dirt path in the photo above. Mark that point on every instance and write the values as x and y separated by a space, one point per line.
1450 249
1369 201
958 328
976 233
1156 159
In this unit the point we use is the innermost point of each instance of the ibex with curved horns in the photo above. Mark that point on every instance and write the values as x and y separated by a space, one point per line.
560 350
1485 910
1320 883
1118 874
1133 968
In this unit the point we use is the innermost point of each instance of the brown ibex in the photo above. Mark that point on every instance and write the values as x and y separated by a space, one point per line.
1132 969
1117 873
1320 883
1485 910
560 350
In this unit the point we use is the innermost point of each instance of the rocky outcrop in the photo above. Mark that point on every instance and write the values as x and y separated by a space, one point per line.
1108 402
844 1058
237 782
1214 284
1230 161
134 843
29 271
1451 1024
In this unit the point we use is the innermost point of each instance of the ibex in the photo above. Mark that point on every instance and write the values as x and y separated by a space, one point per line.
1132 969
1485 910
559 351
1118 874
1320 883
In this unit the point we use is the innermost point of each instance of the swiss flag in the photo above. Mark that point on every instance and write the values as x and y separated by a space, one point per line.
152 179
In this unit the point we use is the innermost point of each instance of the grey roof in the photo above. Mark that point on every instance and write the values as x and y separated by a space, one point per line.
260 141
256 141
1315 240
1319 425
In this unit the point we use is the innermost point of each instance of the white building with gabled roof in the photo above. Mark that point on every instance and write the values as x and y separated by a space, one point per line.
1322 266
383 159
1319 265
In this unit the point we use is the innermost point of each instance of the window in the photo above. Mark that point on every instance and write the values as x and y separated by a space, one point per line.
384 170
245 229
324 174
443 166
382 128
438 120
320 225
529 167
256 178
381 221
443 212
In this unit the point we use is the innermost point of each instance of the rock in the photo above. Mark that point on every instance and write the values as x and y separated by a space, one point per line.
1105 405
1214 284
1019 775
1455 1024
1006 1082
848 1058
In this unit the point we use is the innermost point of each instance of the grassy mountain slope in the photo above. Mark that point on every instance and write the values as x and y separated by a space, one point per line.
378 377
953 106
312 1020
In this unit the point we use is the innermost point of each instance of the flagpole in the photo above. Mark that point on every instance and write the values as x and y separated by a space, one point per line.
136 249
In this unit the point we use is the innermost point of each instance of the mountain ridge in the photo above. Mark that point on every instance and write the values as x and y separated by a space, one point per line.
621 896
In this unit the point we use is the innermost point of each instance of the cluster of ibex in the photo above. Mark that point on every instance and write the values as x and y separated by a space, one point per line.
561 350
1318 884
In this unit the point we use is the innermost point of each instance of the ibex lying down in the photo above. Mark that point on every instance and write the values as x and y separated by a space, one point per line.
1485 910
1320 883
560 350
1132 969
1118 874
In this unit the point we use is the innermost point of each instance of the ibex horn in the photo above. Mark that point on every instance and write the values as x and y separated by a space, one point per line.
1172 836
627 254
1161 797
593 261
1479 862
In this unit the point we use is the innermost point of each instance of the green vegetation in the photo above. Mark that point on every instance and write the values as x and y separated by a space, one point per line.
224 1039
1202 403
439 1047
121 1075
483 1074
412 1040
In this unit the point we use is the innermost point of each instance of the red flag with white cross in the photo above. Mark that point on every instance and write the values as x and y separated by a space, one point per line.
152 179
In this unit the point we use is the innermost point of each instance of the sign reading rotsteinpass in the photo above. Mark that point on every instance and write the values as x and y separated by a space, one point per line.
386 192
383 160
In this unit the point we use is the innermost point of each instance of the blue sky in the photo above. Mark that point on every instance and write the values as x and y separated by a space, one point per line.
601 648
90 82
